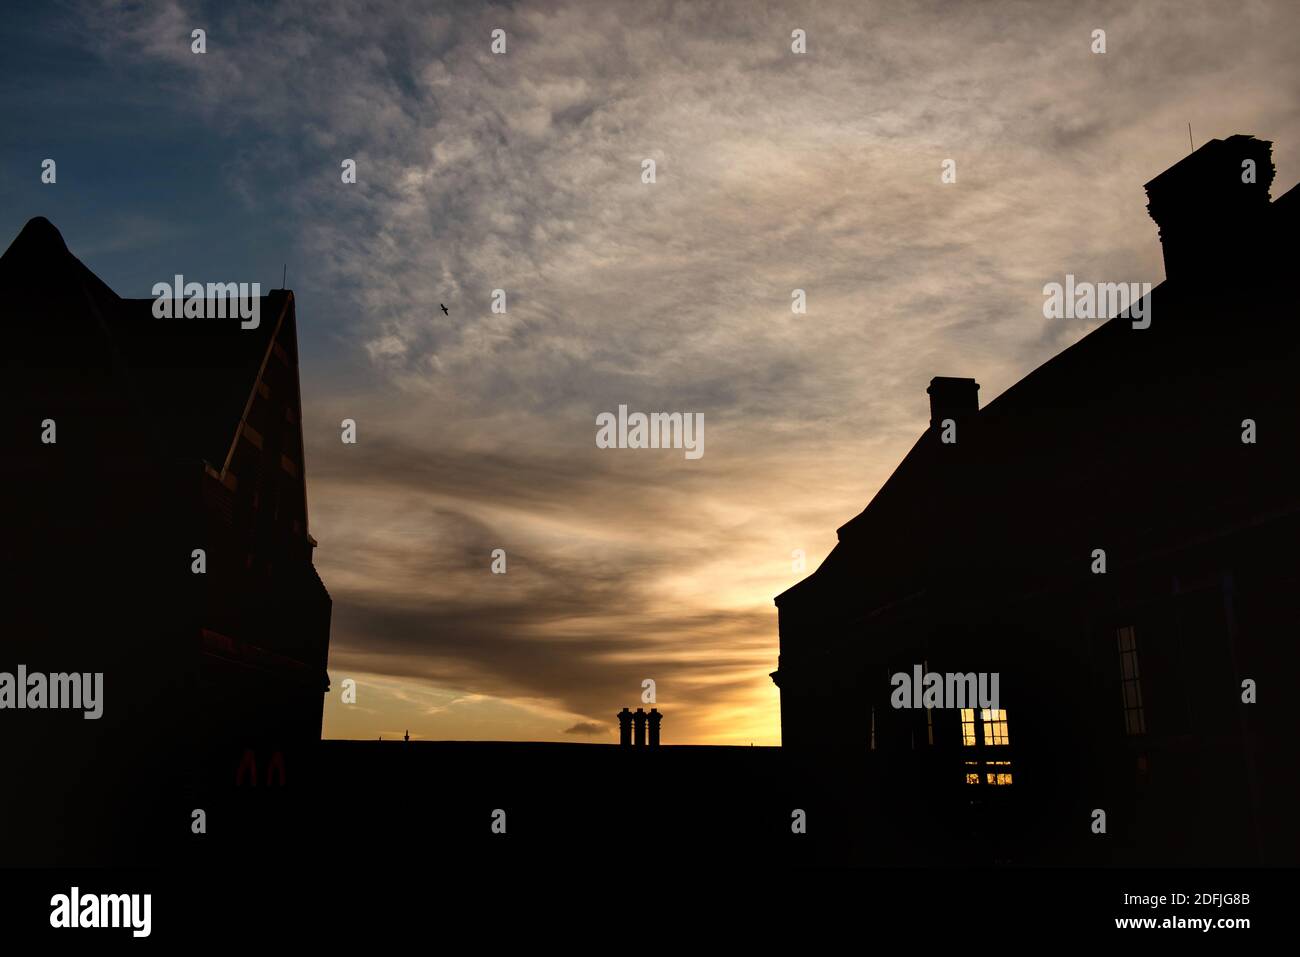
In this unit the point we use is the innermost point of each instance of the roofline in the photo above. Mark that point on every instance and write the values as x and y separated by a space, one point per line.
261 369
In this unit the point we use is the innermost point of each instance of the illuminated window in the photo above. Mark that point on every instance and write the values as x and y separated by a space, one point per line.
980 729
1130 680
1002 774
995 726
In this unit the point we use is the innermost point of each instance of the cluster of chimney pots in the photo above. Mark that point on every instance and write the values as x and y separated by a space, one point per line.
626 721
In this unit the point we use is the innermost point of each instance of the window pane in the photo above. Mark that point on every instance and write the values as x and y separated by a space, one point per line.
1125 638
968 727
995 731
1131 687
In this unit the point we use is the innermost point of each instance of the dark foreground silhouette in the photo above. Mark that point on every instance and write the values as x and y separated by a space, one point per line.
1115 537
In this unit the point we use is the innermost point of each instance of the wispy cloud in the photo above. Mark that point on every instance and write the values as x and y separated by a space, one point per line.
775 172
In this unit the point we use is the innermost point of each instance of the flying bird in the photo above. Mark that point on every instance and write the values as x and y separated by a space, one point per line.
444 310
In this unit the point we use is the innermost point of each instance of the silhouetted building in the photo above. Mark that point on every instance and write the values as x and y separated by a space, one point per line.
1115 536
171 437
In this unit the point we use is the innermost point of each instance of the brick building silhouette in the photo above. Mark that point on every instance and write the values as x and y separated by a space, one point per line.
172 435
1121 691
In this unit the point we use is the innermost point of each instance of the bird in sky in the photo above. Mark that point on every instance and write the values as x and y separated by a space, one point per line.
444 310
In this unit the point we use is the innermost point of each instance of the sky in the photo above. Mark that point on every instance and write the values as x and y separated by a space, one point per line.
523 171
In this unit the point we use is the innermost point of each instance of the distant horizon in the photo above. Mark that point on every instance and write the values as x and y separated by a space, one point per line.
606 744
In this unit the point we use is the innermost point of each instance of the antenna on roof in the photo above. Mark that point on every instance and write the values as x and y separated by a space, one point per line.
285 274
1189 138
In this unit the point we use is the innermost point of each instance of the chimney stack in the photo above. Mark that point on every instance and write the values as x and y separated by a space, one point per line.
639 720
952 399
655 718
625 728
1210 208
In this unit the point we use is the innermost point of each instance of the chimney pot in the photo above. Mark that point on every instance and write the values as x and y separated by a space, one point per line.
952 398
625 728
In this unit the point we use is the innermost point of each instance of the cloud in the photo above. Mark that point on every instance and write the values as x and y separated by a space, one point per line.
774 172
589 728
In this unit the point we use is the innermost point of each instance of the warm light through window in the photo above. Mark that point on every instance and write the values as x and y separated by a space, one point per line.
968 727
995 726
980 729
1001 776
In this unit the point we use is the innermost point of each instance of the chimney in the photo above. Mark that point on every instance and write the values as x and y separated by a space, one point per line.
638 719
1210 208
655 718
952 399
625 728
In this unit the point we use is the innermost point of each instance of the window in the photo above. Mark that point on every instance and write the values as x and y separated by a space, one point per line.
995 726
990 730
968 727
1000 776
982 729
1131 683
995 772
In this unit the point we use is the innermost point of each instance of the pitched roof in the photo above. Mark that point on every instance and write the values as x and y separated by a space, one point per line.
194 375
1105 442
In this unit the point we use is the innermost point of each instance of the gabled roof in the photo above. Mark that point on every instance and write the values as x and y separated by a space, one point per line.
202 371
1105 440
194 375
